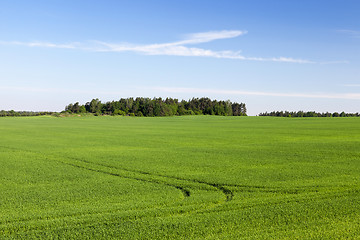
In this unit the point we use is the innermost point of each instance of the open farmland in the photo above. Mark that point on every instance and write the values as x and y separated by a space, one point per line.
194 177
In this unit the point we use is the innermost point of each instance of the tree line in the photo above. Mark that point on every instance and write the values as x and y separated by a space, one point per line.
159 107
13 113
308 114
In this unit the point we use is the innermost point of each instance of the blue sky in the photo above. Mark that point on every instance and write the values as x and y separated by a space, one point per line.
272 55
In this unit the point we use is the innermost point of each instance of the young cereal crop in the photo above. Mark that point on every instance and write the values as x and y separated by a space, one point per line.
191 177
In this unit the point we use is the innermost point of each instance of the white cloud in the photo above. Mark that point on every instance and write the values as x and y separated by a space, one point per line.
177 48
43 44
354 96
209 36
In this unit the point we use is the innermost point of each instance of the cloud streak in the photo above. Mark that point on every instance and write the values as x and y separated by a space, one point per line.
43 44
28 89
350 85
353 96
353 33
177 48
348 96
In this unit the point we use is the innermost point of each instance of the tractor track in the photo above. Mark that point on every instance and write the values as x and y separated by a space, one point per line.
220 187
185 192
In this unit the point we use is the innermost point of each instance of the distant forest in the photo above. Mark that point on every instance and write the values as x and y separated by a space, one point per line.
159 107
167 107
13 113
308 114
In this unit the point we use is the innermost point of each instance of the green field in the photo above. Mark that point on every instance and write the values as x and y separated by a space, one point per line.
194 177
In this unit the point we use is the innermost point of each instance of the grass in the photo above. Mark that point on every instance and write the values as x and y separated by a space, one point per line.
193 177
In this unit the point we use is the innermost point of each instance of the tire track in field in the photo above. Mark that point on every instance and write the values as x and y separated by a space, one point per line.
185 192
228 194
299 200
220 187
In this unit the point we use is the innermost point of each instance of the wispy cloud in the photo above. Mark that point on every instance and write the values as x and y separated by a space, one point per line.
28 89
192 91
355 96
43 44
334 62
353 33
203 37
177 48
350 85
